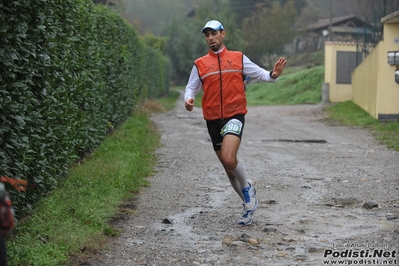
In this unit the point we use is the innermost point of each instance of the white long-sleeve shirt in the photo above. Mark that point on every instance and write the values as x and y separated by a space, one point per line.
250 69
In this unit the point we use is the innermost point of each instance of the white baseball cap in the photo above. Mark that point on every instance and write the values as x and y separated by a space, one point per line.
214 25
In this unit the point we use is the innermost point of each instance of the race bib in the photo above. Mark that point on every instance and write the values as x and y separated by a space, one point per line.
234 126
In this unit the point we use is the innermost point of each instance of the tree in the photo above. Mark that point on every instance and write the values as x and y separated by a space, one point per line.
372 12
309 15
244 9
220 10
154 15
268 30
186 43
158 43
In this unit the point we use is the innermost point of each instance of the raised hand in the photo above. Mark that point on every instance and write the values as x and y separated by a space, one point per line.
279 67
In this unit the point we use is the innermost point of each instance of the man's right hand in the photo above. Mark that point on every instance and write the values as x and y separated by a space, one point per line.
189 104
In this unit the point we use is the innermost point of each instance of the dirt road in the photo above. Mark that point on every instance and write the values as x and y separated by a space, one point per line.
318 187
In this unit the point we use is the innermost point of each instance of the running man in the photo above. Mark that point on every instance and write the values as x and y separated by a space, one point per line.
220 74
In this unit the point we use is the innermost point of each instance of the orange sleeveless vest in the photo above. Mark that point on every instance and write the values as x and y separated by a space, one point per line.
222 82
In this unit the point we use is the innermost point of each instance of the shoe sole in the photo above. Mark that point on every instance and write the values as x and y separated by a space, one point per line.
242 223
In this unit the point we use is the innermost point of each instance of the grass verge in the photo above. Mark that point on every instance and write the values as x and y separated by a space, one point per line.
299 87
76 217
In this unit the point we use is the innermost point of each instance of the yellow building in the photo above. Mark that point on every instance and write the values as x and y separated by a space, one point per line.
341 59
369 82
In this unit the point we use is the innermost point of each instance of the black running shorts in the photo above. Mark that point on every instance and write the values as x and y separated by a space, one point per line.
217 129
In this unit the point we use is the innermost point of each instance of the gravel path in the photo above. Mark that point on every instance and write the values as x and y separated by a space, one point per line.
314 182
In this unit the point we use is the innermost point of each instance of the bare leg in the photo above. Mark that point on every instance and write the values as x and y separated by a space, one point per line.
234 169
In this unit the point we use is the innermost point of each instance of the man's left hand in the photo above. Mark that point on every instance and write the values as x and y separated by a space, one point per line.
278 67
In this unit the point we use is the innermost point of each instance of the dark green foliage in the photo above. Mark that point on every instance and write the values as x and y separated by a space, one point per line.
69 71
155 63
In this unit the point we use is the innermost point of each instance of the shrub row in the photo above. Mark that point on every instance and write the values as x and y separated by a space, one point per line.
69 72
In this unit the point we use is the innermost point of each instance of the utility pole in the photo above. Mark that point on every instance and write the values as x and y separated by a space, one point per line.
331 15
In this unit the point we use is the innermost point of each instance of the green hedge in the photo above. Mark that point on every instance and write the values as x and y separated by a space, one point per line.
69 72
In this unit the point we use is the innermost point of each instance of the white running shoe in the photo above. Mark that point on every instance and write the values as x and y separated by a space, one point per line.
246 217
250 200
250 205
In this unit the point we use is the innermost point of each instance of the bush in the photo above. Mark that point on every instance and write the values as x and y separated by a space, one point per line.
69 72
